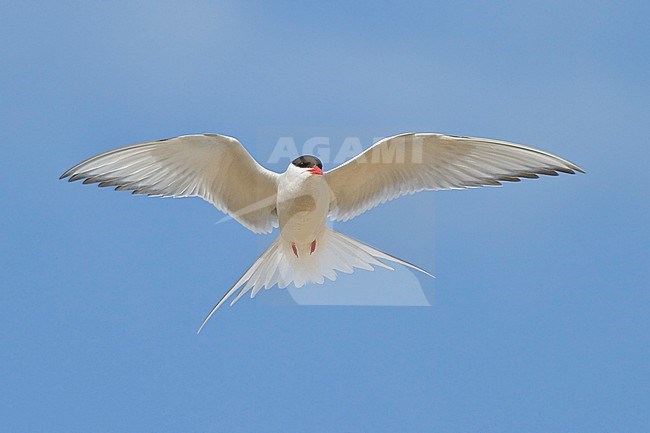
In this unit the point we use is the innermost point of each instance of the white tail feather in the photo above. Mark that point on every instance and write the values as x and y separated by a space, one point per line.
334 253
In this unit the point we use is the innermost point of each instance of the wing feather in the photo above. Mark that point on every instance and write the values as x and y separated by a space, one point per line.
214 167
408 163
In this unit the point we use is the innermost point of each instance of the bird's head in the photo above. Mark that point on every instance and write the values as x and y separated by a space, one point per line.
307 163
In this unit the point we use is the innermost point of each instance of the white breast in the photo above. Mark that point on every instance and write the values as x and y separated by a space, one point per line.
303 204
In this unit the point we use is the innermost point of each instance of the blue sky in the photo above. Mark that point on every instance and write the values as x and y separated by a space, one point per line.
540 310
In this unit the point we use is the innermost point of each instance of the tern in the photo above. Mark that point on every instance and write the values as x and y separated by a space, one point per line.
299 201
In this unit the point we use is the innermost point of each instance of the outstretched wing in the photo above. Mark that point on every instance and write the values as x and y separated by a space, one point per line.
408 163
214 167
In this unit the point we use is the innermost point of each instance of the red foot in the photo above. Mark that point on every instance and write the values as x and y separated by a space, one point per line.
295 250
313 247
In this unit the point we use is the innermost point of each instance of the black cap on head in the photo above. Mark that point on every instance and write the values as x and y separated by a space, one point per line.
307 161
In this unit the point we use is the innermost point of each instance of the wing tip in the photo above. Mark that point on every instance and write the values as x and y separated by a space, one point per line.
67 173
577 169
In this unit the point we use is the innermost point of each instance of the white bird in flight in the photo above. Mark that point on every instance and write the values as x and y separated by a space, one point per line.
299 201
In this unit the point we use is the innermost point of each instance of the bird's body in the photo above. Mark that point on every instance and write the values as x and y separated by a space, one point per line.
302 207
301 200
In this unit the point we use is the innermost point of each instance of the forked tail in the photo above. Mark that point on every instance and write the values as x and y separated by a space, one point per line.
279 266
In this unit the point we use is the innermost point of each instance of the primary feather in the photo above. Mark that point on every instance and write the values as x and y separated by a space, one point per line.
408 163
214 167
